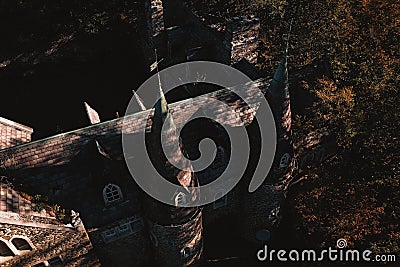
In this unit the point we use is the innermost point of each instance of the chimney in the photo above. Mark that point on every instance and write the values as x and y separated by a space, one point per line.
13 134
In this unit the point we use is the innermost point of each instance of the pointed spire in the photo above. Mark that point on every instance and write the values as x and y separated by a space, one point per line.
139 102
279 89
280 82
280 78
163 125
161 108
95 118
92 114
166 152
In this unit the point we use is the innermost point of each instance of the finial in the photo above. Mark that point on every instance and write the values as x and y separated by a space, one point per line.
288 38
161 108
139 101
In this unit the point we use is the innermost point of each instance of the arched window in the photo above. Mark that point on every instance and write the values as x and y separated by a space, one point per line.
180 199
112 193
185 252
284 162
21 244
5 251
220 156
295 164
153 239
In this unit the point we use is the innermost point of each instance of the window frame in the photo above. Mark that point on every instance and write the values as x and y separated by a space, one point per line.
115 190
26 239
180 199
132 226
284 161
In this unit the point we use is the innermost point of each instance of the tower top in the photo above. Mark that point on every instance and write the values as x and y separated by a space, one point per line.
280 81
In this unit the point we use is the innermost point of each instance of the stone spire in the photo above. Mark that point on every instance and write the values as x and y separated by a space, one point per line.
279 89
280 103
182 225
161 111
165 156
139 102
280 82
265 217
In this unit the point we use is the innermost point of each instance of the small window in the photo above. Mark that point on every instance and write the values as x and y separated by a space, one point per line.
180 199
284 161
124 229
186 252
56 261
219 156
220 199
5 251
21 244
112 193
295 164
153 239
137 225
109 235
40 264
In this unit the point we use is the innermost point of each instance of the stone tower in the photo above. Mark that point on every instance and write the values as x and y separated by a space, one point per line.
263 205
175 231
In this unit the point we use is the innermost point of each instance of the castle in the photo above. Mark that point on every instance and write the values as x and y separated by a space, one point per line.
83 171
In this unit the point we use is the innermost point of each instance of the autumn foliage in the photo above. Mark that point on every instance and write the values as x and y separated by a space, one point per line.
354 195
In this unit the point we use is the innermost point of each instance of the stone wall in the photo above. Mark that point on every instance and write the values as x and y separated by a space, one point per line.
128 247
260 212
72 246
13 134
225 206
178 245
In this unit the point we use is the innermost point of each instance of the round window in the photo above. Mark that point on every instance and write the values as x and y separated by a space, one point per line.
284 162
